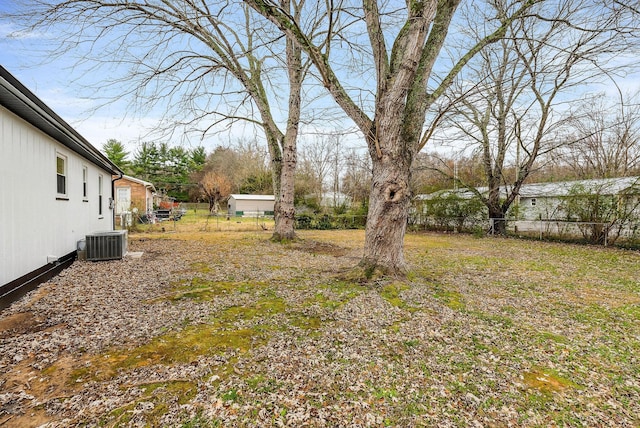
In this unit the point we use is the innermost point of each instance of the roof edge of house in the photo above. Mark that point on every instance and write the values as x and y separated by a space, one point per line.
139 181
46 120
528 190
246 196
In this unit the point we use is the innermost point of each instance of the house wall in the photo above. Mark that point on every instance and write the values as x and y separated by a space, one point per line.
141 196
544 207
34 222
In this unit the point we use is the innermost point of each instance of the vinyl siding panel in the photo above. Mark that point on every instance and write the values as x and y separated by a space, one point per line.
250 204
33 223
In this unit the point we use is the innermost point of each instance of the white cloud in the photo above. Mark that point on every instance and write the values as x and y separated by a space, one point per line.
61 102
11 32
97 129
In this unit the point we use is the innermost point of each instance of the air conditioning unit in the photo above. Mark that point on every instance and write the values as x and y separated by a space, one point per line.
110 245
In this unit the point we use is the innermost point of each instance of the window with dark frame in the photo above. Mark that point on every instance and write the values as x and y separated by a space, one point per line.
61 175
100 195
85 175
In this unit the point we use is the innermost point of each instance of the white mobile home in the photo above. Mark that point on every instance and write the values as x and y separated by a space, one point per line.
547 201
251 205
55 187
544 200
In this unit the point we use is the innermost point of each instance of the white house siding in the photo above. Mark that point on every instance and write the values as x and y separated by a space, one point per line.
544 207
549 197
250 205
34 225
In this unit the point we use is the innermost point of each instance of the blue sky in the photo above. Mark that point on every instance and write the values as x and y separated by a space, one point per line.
70 90
61 84
55 84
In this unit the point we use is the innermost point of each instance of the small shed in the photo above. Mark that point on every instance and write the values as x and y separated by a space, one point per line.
251 205
133 193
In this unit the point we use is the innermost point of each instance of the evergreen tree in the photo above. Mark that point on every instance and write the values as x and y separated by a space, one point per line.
117 154
198 157
146 162
170 169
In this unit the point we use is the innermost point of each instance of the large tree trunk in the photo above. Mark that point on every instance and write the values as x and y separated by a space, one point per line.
389 203
498 221
387 220
284 209
283 166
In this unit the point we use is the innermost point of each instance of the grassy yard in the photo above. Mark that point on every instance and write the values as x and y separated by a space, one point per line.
550 332
483 332
200 220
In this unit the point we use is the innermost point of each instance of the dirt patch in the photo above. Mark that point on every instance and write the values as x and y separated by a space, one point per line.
546 381
24 384
321 248
20 323
35 419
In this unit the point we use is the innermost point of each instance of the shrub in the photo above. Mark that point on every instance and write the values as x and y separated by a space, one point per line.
451 211
602 217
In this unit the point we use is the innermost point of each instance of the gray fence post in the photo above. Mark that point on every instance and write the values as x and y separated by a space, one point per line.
541 229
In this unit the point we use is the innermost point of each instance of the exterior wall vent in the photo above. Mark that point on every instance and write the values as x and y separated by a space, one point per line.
110 245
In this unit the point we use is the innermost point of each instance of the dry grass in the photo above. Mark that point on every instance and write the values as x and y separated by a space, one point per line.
201 221
239 331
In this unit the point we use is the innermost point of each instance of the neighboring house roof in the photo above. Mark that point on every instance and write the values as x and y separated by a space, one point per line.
462 193
604 186
142 182
253 197
22 102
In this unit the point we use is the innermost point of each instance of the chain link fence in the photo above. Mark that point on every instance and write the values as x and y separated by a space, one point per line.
330 221
420 221
624 234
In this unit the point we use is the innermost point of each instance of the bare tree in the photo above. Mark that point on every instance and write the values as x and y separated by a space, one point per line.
392 119
208 63
516 102
356 180
607 141
215 187
307 185
244 164
437 171
319 156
